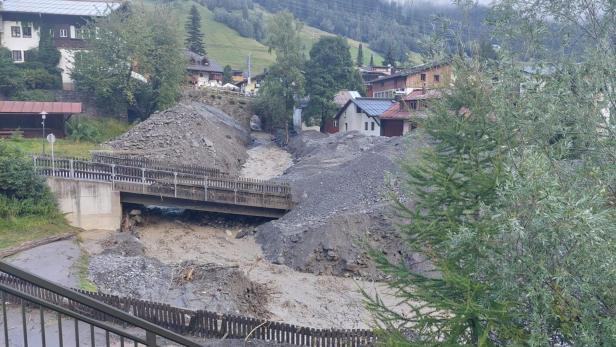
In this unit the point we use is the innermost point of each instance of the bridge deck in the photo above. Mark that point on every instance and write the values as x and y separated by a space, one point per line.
172 188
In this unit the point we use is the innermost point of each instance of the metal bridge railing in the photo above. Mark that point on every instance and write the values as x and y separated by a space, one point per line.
70 313
167 183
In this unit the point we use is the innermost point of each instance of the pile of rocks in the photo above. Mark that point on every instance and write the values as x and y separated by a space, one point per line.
341 183
190 134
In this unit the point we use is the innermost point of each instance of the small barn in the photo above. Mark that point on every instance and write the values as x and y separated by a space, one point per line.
25 117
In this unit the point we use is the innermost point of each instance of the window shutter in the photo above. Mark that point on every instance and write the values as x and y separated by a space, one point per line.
72 33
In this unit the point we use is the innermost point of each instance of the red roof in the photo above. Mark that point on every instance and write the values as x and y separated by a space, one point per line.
421 94
394 112
38 107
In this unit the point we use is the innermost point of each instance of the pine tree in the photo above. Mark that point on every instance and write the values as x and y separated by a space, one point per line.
360 55
371 60
389 58
194 39
450 184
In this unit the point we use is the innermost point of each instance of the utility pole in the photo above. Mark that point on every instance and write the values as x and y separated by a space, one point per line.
249 67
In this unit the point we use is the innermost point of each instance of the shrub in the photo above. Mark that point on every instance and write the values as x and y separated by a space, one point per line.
34 95
22 192
83 128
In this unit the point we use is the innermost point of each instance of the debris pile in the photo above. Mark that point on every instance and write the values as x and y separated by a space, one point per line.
123 269
340 184
190 134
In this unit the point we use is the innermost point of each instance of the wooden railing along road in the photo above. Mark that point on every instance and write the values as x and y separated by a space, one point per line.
213 187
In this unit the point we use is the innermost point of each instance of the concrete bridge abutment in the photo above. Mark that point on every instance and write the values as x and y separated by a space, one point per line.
89 205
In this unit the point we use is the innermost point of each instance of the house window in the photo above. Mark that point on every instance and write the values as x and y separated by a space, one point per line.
414 104
63 33
27 32
372 126
17 56
437 78
366 126
346 127
80 33
16 31
335 124
52 33
423 77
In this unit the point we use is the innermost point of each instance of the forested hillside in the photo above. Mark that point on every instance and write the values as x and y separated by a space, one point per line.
229 38
384 26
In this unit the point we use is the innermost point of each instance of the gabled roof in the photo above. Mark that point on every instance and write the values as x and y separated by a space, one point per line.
396 111
414 70
421 94
343 96
61 7
38 107
211 66
372 107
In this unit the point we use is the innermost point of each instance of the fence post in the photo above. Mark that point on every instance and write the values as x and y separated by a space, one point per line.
205 187
143 180
175 184
34 159
113 176
72 169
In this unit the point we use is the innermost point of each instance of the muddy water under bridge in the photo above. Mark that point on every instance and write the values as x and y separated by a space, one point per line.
91 191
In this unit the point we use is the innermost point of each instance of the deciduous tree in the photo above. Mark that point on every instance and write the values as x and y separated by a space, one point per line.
284 84
134 62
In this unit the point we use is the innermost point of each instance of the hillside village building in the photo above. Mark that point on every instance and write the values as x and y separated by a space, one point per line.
427 76
203 71
21 22
381 117
362 115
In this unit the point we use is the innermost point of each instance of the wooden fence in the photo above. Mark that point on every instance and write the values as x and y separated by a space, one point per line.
136 161
202 323
157 182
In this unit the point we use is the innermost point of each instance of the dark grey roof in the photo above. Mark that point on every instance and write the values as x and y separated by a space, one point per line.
373 107
413 70
211 66
62 7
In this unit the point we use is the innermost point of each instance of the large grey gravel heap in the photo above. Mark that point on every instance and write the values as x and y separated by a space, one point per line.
188 133
339 182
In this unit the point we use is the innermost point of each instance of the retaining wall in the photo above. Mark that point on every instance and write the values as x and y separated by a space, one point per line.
89 205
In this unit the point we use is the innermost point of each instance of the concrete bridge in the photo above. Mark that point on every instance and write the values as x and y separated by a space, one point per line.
91 192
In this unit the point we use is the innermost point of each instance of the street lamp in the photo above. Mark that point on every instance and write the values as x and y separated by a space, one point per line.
43 117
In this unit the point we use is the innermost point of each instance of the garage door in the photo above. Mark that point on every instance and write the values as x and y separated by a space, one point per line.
392 127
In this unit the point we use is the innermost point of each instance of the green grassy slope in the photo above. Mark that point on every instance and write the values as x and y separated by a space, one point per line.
226 46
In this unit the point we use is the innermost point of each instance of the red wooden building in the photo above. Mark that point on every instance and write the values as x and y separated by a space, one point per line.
25 117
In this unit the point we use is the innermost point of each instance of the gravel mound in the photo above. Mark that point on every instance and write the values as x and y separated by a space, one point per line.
189 133
340 183
123 270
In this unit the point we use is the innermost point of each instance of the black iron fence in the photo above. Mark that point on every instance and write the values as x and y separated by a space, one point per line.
23 293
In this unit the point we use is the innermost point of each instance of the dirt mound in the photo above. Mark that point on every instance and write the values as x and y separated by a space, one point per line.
188 133
339 182
121 271
234 105
228 289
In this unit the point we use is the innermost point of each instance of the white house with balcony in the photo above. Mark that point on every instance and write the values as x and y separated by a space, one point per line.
22 20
